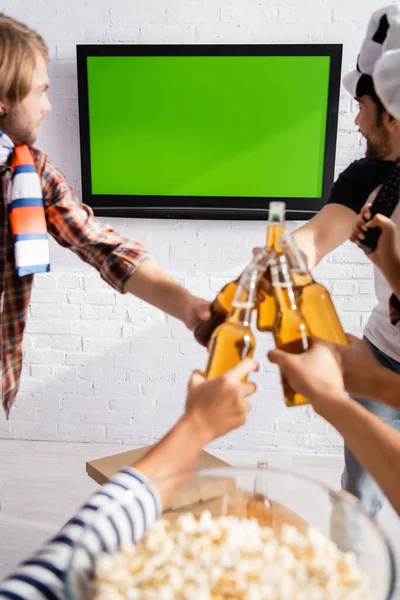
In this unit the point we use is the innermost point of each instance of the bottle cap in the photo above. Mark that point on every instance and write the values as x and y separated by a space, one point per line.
277 212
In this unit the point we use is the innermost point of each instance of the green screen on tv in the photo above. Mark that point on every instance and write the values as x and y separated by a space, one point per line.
208 126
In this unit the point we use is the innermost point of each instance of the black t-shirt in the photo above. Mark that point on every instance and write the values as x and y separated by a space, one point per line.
355 184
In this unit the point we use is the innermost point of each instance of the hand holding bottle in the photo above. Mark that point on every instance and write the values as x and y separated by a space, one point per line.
315 374
361 370
388 248
233 340
219 405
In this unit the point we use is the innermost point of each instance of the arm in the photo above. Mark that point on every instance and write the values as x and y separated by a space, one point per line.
213 408
150 283
123 263
128 504
330 228
334 223
374 443
386 257
388 388
364 376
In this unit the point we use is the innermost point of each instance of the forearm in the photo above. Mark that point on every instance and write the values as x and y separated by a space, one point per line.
390 269
120 510
386 387
176 453
374 382
305 240
375 444
151 284
327 230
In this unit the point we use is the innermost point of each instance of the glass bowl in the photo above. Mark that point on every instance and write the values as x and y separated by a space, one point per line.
291 498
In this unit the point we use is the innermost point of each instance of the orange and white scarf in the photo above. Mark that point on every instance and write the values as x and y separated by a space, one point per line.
25 210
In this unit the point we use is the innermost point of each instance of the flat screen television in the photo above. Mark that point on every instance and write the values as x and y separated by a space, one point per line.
207 131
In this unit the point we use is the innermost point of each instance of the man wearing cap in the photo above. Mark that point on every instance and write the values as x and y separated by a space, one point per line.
335 223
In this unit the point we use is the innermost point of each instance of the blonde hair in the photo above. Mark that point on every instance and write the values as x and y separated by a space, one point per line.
18 47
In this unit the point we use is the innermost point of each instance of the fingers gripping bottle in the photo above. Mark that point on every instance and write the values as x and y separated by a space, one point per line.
220 308
233 340
222 304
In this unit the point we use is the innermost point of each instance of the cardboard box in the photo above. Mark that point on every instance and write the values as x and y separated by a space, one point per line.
217 495
193 495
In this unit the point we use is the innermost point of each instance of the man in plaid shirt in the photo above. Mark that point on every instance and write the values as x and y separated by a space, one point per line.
122 263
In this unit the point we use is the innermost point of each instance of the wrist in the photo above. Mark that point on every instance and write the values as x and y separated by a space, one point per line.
199 432
376 381
389 268
332 406
385 386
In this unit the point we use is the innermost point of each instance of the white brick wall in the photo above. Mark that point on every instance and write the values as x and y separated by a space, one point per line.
105 367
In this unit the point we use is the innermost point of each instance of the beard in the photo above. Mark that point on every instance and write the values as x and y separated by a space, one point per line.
378 149
14 125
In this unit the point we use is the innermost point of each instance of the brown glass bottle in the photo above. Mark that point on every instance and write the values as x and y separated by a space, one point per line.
313 299
222 304
220 308
266 311
290 329
233 340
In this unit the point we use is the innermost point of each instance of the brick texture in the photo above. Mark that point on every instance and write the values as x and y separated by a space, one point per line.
102 367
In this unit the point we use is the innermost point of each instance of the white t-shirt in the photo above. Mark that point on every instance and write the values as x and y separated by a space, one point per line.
359 182
379 330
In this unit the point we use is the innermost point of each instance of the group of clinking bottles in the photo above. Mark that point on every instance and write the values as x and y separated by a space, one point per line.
295 307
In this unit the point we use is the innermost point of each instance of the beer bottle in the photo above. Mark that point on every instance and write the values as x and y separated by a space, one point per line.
313 299
222 304
266 312
219 308
290 330
233 340
258 506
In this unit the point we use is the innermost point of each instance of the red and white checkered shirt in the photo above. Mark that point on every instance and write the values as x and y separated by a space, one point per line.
72 225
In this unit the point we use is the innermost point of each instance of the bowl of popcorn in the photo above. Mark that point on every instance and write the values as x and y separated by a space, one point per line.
234 534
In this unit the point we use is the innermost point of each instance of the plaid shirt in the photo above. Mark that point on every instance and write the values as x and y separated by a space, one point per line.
72 225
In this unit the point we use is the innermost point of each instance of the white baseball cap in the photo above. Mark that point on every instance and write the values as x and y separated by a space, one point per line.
383 33
386 78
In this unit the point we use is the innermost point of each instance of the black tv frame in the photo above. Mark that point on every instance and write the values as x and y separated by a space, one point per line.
205 207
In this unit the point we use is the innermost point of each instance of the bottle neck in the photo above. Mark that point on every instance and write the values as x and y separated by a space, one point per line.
241 315
244 301
301 278
283 285
299 271
285 298
275 232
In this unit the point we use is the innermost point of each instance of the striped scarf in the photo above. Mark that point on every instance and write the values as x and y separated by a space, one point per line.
26 210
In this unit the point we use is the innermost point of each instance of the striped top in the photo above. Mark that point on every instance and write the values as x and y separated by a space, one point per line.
119 513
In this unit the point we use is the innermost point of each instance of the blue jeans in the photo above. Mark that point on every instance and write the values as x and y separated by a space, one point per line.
355 478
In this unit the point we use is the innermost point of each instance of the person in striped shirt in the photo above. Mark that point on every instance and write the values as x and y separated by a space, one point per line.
130 501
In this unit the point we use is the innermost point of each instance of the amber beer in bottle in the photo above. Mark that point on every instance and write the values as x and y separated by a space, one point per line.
233 340
266 312
222 304
219 308
313 299
290 329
